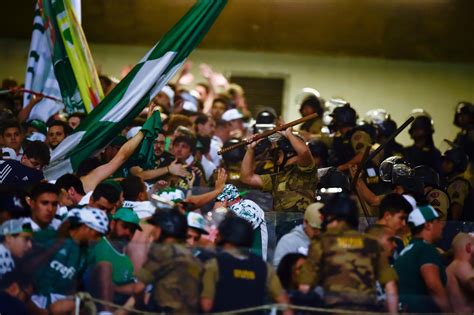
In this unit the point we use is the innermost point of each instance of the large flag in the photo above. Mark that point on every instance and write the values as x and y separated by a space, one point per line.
136 90
58 39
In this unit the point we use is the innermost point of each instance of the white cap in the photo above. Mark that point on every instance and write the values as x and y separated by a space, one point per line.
410 200
36 136
170 93
190 106
232 114
94 218
197 221
8 154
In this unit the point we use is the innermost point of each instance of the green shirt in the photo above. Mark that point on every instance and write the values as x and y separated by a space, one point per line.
59 274
122 268
412 289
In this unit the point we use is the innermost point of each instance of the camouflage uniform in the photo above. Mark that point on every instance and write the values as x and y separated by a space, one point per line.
439 199
347 265
293 189
175 274
458 189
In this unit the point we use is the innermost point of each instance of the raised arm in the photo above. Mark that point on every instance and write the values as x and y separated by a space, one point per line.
305 159
247 169
91 180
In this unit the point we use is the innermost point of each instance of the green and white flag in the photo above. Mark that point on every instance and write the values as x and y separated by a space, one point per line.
136 90
40 75
60 64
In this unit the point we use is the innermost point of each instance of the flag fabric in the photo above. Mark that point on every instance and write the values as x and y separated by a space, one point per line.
78 56
145 155
40 73
58 39
136 90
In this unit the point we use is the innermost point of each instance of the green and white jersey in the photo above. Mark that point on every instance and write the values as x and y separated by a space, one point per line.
122 268
58 275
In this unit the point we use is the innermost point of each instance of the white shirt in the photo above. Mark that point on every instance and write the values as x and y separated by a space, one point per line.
216 146
208 167
85 200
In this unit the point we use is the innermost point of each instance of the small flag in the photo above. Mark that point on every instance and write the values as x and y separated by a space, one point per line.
136 90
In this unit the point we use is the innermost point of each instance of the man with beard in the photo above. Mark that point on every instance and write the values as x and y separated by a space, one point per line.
111 269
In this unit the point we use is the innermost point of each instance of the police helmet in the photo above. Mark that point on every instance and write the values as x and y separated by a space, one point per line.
266 116
331 177
340 207
344 116
463 108
171 222
310 97
284 145
376 116
236 231
458 157
233 156
427 175
262 146
319 149
403 175
422 121
386 167
387 128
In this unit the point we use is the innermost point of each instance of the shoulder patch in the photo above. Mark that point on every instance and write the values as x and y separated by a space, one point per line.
350 242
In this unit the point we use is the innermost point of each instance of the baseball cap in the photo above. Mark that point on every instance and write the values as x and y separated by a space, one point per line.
229 193
15 226
232 114
36 136
190 103
127 215
422 215
197 221
170 93
94 218
39 125
313 215
8 154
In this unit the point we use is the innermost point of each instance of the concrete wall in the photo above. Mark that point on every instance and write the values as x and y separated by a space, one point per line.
397 86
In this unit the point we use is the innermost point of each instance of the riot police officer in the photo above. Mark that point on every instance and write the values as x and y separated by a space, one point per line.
342 250
423 150
385 126
453 167
464 119
435 195
349 142
310 104
237 279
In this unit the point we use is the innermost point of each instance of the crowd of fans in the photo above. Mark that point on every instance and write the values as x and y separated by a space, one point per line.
298 218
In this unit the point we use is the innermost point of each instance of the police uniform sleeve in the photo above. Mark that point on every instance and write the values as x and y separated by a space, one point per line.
209 279
386 272
267 184
310 269
360 140
274 287
458 191
149 269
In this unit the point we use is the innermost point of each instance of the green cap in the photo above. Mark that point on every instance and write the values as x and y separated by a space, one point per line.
39 125
127 215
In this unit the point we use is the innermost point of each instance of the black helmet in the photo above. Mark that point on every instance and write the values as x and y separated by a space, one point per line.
463 108
340 207
236 231
266 116
263 146
386 167
427 175
403 175
319 149
284 145
422 122
387 127
314 102
331 177
344 116
458 157
171 222
233 156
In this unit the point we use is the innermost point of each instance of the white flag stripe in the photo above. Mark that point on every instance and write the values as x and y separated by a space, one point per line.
138 87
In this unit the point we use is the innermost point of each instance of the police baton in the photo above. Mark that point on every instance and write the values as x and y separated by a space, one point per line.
267 133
